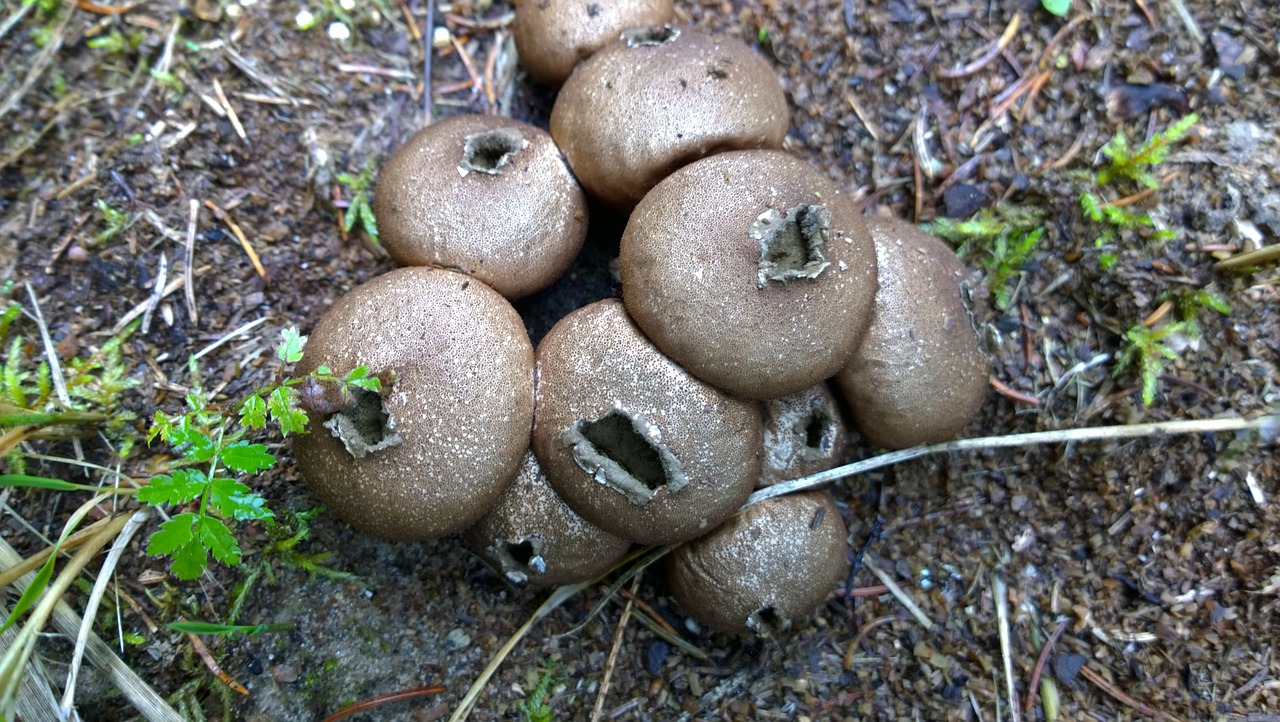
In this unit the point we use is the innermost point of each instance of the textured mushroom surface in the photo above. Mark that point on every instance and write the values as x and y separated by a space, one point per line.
533 537
630 440
804 433
659 98
433 453
485 195
552 36
752 271
764 569
919 375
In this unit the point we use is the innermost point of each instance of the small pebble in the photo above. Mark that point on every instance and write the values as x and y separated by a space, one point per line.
457 640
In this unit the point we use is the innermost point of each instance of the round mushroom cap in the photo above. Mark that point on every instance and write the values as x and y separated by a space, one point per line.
631 441
804 434
488 196
919 376
433 452
533 537
552 36
764 569
752 271
657 99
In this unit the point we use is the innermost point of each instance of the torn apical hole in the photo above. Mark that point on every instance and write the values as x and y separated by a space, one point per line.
490 151
365 426
818 430
621 452
767 623
640 37
792 245
520 559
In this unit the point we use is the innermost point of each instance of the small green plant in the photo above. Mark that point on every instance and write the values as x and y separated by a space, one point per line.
359 208
1057 7
1147 349
534 708
1190 304
114 222
1129 164
1134 164
1005 242
213 449
116 42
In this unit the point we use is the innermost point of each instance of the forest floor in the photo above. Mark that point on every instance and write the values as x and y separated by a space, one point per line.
1157 559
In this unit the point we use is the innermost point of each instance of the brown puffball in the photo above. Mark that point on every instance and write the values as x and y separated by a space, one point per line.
488 196
919 376
631 441
660 98
433 452
804 433
752 271
764 569
533 537
552 36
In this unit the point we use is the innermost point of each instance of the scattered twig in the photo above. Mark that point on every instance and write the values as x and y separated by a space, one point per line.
141 308
1019 396
427 51
136 520
863 117
612 660
368 704
1246 261
904 598
468 63
231 111
157 292
1045 651
55 366
1188 21
42 61
239 234
1001 594
1120 695
207 657
65 242
862 634
188 286
228 337
992 53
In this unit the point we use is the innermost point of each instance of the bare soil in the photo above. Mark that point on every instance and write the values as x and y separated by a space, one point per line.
1160 563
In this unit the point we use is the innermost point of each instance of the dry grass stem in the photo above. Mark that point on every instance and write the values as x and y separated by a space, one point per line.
1000 591
902 596
612 660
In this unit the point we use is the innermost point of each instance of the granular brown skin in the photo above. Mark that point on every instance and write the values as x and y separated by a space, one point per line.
919 376
464 424
631 115
784 554
569 549
690 276
517 228
596 361
552 36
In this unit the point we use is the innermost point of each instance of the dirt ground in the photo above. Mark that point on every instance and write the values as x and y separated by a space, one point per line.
1159 559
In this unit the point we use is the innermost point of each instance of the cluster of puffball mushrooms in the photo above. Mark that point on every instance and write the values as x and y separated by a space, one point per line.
748 281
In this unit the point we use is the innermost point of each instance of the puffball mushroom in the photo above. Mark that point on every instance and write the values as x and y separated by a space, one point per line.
631 441
765 568
552 36
751 270
804 434
919 375
433 452
533 537
657 99
488 196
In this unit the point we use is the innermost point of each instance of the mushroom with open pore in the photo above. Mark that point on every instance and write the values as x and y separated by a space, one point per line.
631 441
552 36
433 452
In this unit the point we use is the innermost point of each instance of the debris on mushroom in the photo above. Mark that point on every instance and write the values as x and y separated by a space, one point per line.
552 36
533 537
804 433
919 375
631 441
657 99
485 195
432 453
766 568
751 270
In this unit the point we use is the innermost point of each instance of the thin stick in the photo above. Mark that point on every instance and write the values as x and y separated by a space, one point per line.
1119 694
157 292
51 357
238 332
1244 261
35 561
213 666
427 51
368 704
1000 591
1268 425
613 653
141 308
902 596
991 54
557 598
239 234
193 216
91 606
1040 661
231 112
